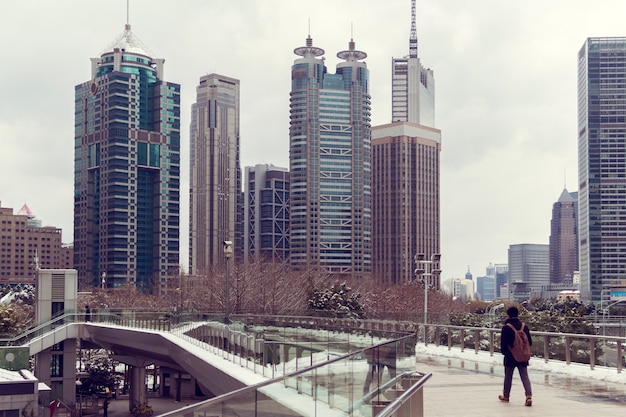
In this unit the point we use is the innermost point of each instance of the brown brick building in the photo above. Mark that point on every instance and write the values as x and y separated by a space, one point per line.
22 238
405 198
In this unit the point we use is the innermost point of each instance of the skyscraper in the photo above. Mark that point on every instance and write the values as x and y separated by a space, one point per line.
329 144
405 202
126 169
405 167
564 239
602 166
413 86
215 172
266 213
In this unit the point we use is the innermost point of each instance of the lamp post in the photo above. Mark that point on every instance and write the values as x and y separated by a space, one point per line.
425 269
492 312
228 254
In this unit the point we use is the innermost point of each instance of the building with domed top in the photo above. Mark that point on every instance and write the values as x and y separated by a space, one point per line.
126 169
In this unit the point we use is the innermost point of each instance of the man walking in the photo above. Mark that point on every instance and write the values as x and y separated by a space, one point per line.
506 343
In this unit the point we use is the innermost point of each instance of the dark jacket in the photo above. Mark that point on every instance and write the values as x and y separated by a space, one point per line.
508 337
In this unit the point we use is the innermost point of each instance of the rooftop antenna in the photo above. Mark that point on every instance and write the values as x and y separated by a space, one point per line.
413 36
127 14
309 49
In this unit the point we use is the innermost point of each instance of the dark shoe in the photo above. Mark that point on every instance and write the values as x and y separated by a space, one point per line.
503 398
529 401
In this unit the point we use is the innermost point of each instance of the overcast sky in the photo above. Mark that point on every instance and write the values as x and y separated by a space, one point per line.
505 74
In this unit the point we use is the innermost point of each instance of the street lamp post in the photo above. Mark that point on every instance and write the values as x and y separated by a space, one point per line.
228 254
425 268
492 312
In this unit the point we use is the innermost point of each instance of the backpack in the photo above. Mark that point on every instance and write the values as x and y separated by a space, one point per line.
521 348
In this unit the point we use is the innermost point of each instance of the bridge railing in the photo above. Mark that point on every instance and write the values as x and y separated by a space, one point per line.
592 350
362 382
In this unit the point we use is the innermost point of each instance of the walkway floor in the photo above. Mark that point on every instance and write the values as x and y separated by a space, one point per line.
455 391
452 391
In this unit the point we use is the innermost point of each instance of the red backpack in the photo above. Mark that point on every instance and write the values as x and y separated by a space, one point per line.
521 348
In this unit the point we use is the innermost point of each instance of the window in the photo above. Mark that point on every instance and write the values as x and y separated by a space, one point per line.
56 365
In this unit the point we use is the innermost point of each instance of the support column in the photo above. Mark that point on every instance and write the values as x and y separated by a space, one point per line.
138 393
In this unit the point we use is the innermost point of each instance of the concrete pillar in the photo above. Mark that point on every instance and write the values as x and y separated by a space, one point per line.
138 393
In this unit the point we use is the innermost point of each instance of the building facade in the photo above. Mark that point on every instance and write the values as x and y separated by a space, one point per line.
405 202
215 197
405 173
26 244
529 269
564 239
266 213
501 272
413 86
602 166
329 157
126 170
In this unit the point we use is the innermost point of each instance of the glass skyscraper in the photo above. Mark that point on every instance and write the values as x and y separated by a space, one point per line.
126 170
330 139
602 166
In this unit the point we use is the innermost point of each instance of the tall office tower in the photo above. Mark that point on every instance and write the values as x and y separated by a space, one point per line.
564 239
126 170
266 213
405 167
329 156
413 86
405 198
602 166
26 244
215 173
529 270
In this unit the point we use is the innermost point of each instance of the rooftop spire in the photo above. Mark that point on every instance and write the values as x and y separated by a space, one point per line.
352 54
309 50
413 36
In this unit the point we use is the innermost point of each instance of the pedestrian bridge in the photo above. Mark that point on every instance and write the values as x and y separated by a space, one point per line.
323 365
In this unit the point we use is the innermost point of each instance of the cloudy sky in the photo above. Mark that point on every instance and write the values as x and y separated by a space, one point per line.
505 76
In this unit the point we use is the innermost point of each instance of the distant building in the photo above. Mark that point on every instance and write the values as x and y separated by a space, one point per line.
468 274
486 288
564 239
501 272
126 170
463 288
601 166
486 285
529 269
24 243
215 198
329 163
266 213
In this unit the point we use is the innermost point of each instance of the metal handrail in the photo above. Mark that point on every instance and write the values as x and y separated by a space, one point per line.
404 400
190 410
